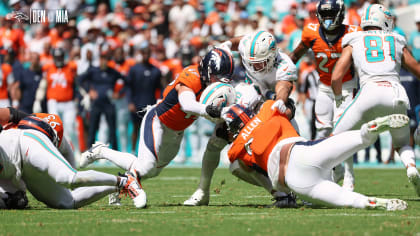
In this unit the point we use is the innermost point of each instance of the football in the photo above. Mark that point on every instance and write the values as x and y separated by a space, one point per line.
218 94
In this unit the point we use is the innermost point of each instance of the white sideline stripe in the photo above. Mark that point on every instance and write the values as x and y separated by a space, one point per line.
152 212
176 178
211 195
241 214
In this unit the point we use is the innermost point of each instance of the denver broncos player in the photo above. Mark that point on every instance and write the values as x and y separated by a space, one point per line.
59 88
270 145
163 125
325 41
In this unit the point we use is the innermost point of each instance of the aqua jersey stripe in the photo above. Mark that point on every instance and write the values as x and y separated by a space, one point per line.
367 12
253 43
347 108
36 138
211 92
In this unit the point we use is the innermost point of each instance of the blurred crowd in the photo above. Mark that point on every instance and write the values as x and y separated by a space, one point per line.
157 37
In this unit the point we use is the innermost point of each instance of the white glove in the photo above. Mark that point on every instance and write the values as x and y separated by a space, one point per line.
280 106
85 102
36 108
339 99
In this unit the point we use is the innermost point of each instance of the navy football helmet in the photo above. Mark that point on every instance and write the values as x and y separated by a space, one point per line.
217 62
58 57
237 117
330 13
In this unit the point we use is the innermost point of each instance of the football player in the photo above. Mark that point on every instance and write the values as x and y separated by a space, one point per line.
377 54
271 73
164 123
325 39
30 159
270 143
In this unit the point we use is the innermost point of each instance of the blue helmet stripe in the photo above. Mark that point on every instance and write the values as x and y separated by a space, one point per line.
253 43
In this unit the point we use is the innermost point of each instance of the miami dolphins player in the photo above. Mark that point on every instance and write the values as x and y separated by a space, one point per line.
270 74
377 54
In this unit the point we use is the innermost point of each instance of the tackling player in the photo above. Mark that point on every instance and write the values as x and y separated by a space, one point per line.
163 124
30 159
268 142
377 54
271 73
325 41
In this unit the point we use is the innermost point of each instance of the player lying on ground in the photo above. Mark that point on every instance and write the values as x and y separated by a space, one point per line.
269 143
30 160
163 125
271 73
377 54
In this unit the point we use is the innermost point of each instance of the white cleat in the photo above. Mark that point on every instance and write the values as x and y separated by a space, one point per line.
387 204
348 182
92 154
133 188
114 199
414 178
199 198
385 123
338 173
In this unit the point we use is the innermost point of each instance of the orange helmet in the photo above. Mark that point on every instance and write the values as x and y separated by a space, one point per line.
55 122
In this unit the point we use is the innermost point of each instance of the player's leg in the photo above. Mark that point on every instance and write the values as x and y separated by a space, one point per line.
209 164
324 112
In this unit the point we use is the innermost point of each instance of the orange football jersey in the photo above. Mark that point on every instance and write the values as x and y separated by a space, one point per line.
169 110
60 82
326 54
6 69
265 129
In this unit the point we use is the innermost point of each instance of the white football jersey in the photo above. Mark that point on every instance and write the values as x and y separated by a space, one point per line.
283 69
10 155
376 54
247 96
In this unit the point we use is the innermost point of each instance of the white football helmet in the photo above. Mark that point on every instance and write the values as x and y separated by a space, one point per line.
260 52
379 16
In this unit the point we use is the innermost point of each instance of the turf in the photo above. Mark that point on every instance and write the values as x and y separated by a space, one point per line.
236 208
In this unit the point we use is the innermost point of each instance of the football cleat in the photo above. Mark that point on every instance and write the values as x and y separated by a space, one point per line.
133 188
385 123
114 199
288 201
92 154
199 198
414 178
386 204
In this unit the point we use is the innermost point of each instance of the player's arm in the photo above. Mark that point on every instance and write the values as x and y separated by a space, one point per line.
341 67
10 114
298 52
189 104
231 44
410 63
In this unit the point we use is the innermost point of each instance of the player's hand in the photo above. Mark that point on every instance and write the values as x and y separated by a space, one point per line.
213 111
36 108
339 99
280 106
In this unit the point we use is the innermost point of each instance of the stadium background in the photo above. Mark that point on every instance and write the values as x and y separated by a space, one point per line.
177 32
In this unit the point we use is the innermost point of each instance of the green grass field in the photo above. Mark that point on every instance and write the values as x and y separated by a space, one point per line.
236 208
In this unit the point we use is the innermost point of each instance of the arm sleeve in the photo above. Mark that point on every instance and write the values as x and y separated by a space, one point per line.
187 100
348 39
286 70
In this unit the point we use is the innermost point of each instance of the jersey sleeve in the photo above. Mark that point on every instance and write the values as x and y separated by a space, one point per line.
190 78
286 70
400 40
308 34
349 39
